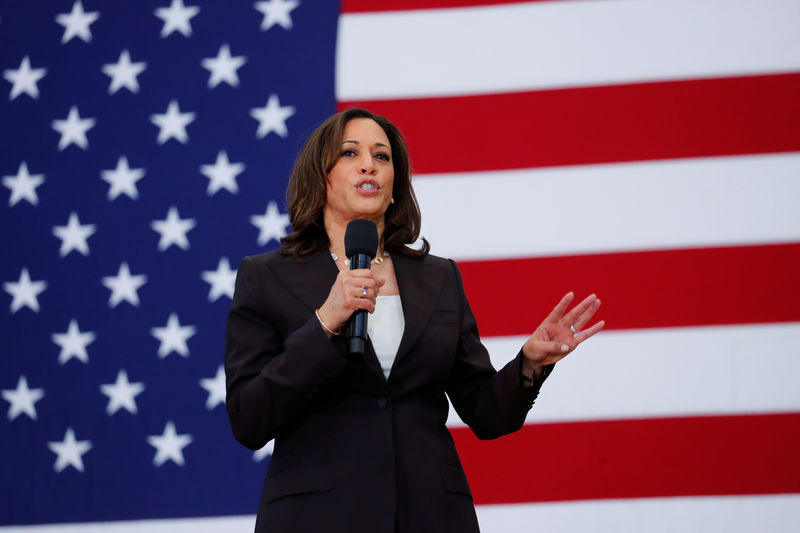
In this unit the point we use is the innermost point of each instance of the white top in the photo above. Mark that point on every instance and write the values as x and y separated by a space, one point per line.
385 329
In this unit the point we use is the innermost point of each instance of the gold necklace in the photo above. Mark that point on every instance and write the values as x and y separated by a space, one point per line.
377 261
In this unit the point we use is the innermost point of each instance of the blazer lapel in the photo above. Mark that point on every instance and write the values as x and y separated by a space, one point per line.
420 286
311 280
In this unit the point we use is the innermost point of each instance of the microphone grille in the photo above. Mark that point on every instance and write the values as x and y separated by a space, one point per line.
361 237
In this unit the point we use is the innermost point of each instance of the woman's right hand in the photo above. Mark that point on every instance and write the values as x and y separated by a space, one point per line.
347 295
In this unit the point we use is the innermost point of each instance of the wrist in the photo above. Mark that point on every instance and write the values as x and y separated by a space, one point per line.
531 369
329 331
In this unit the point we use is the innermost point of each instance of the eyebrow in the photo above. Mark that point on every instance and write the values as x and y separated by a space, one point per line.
376 144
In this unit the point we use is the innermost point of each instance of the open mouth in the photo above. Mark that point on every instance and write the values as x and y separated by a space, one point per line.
367 185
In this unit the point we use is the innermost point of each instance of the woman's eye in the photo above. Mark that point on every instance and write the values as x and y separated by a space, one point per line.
348 153
383 156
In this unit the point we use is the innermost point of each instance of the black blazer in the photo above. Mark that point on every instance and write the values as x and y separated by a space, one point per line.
353 450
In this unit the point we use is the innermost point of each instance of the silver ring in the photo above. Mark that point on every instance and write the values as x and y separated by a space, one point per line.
574 331
364 292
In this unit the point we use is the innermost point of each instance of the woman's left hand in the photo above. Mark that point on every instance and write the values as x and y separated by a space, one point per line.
555 338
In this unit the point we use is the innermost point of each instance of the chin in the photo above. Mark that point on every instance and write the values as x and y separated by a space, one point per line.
369 211
372 215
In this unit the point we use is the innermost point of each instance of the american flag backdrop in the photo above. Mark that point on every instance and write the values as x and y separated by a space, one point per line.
647 151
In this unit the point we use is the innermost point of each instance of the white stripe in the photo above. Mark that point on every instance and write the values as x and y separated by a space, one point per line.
668 372
613 207
558 44
228 524
729 514
774 513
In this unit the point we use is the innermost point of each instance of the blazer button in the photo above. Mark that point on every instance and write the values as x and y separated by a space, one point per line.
382 402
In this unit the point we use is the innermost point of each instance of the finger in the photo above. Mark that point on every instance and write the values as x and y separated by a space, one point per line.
372 293
360 292
367 305
578 310
587 315
368 288
561 307
379 282
557 347
356 300
360 273
558 310
585 334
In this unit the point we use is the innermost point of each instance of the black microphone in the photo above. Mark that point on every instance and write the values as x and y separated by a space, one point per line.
360 245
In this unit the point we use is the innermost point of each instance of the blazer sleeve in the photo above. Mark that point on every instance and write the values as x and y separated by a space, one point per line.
493 403
269 379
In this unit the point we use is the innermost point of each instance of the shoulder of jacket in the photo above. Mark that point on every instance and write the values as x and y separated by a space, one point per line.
267 258
440 262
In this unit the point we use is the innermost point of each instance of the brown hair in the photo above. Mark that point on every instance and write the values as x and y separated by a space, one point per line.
307 190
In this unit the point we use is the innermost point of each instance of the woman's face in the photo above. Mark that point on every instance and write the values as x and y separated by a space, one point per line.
360 183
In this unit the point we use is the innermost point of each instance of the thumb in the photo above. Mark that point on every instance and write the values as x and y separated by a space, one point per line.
557 347
536 349
381 282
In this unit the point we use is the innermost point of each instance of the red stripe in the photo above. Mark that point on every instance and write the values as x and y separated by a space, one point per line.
746 115
753 454
371 6
708 286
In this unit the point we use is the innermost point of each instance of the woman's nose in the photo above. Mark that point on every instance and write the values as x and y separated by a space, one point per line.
367 166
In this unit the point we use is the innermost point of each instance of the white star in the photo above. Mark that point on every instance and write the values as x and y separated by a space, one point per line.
24 79
222 174
73 343
277 12
222 280
23 185
272 117
169 445
73 236
76 23
173 337
264 451
70 451
123 73
123 179
223 67
271 225
73 129
216 388
176 18
123 286
173 123
122 394
22 399
24 291
173 230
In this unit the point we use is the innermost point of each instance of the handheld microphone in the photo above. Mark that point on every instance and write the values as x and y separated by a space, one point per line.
360 245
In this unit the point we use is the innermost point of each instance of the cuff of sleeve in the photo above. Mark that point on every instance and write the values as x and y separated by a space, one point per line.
535 381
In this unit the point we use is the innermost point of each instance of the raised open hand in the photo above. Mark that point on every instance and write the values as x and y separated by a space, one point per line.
560 333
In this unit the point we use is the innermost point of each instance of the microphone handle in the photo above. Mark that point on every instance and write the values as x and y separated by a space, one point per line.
357 323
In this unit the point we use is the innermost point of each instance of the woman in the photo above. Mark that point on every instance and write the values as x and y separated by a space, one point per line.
361 442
